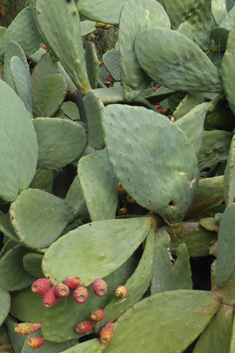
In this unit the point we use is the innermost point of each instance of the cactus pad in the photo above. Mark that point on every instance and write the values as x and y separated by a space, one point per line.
135 16
38 218
59 21
59 141
99 185
181 314
18 145
132 141
179 64
68 255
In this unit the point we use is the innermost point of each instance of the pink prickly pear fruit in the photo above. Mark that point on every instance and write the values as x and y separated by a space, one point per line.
97 315
36 342
121 292
25 328
61 290
99 287
44 47
49 298
72 281
41 286
107 332
80 294
85 327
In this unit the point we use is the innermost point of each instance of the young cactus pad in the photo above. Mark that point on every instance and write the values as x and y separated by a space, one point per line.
166 182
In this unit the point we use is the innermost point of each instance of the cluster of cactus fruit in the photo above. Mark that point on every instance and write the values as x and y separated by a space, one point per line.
127 181
42 286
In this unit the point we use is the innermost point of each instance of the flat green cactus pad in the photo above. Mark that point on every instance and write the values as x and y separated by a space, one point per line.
190 101
32 263
22 24
135 16
53 327
92 63
6 227
50 93
166 186
21 82
13 276
38 218
5 301
94 107
112 61
179 65
192 124
27 306
181 315
167 275
225 249
18 144
59 21
219 10
99 185
59 141
87 27
217 335
107 245
13 49
210 194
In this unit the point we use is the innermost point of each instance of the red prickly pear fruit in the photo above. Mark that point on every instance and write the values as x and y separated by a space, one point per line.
25 328
36 342
97 315
121 292
121 189
107 332
41 286
99 287
80 294
49 298
72 281
44 47
85 327
61 290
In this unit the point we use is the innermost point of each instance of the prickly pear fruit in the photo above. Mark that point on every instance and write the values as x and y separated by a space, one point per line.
121 292
130 199
80 294
36 342
99 287
25 328
107 332
97 315
85 327
121 189
72 281
122 211
61 290
41 286
49 298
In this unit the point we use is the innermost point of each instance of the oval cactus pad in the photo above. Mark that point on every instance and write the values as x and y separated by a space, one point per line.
166 182
18 144
174 61
94 250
